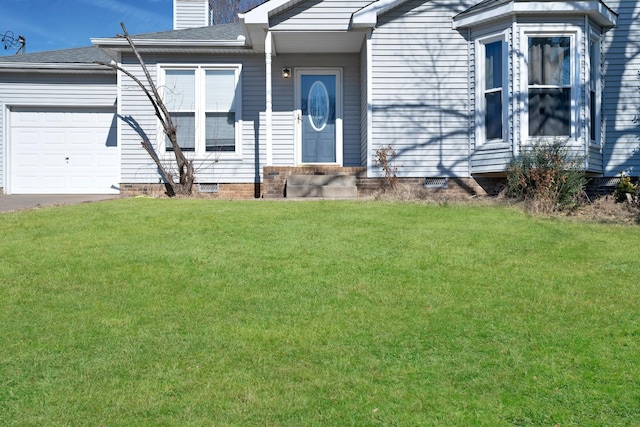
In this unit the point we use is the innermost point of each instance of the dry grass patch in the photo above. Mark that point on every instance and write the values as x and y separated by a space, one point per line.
602 209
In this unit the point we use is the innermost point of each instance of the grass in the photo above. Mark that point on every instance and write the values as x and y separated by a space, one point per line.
200 312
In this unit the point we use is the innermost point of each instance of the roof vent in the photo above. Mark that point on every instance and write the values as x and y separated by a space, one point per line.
191 13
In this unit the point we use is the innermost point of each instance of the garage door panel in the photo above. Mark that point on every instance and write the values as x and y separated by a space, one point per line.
26 118
52 183
63 152
53 163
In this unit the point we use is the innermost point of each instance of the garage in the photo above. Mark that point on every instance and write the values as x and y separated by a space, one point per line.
63 151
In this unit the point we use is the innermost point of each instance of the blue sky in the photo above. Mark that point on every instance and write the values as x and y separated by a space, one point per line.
61 24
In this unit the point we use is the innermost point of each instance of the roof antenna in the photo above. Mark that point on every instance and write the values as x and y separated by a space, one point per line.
9 41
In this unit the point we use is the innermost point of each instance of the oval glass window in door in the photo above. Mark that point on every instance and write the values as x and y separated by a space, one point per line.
318 106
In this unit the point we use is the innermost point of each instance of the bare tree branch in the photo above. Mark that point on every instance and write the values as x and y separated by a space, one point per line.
185 166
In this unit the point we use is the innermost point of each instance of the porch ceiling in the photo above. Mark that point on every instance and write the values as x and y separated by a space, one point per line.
318 42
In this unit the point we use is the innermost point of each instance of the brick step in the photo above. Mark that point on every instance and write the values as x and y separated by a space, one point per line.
323 186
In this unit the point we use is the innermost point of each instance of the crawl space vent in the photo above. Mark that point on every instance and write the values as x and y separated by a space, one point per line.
608 182
436 182
209 188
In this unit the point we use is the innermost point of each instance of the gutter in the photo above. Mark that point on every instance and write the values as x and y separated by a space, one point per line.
117 43
54 67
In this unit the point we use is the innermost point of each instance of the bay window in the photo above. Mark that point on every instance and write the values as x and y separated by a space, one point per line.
204 104
536 74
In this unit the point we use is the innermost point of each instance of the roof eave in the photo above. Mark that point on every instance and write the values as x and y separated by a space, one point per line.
55 67
260 14
118 43
113 46
367 17
595 9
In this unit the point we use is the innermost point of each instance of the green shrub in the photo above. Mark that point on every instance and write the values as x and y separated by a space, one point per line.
624 187
548 174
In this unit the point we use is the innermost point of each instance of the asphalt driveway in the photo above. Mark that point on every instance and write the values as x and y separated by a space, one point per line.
16 202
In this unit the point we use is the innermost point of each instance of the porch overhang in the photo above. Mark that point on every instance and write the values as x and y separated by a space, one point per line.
310 42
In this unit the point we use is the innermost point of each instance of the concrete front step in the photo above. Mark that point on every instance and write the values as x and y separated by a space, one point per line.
324 186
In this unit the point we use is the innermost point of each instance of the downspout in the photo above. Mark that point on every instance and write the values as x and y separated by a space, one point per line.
269 99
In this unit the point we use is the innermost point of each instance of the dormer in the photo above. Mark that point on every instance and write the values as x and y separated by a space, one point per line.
191 13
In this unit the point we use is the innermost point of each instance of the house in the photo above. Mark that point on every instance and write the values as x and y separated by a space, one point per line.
318 87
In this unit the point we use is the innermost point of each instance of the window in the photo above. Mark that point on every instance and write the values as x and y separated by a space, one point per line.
493 90
220 110
204 104
180 98
491 82
549 85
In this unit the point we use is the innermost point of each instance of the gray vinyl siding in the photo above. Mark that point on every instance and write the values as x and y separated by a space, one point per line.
52 90
620 93
324 15
284 105
491 160
191 14
137 167
420 90
595 160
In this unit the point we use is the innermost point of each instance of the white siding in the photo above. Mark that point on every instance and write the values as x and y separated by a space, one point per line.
137 167
420 98
80 90
318 15
621 98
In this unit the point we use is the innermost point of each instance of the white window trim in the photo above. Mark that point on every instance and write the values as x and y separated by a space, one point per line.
542 30
200 111
480 109
596 38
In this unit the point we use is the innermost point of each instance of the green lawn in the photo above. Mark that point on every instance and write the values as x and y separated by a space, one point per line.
204 312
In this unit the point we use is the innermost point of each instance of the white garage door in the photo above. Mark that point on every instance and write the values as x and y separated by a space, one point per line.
63 151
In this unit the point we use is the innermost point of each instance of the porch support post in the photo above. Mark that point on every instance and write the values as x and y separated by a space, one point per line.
269 99
369 89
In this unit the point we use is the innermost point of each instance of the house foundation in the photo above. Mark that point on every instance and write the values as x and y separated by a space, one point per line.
275 181
214 191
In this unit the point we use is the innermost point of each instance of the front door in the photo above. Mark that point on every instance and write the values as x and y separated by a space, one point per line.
319 116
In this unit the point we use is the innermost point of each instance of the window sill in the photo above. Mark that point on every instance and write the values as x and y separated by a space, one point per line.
212 157
491 146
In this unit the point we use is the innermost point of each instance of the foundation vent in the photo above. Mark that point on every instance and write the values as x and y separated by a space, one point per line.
209 188
436 182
